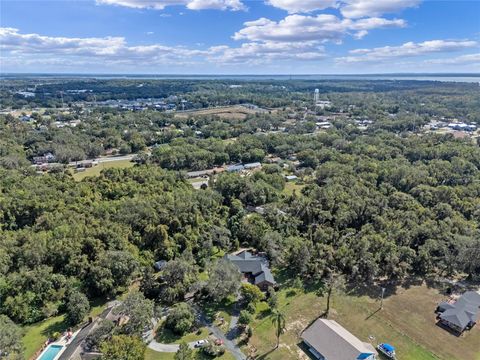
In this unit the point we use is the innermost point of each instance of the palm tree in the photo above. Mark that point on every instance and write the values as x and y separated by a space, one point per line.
278 319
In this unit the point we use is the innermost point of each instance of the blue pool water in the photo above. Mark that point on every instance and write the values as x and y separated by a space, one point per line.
51 352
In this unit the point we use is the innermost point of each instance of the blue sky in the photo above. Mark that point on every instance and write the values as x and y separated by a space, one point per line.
239 36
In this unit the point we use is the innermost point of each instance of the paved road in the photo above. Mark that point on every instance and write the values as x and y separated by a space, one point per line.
170 348
217 332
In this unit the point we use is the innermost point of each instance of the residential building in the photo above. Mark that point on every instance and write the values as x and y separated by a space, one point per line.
254 268
462 314
328 340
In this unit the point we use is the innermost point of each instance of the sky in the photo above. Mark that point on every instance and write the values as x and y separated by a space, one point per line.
239 36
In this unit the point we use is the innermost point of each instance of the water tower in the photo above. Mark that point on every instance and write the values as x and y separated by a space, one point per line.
316 96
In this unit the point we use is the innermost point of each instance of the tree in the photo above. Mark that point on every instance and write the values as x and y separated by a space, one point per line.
272 299
178 275
99 334
251 293
184 352
139 311
278 320
11 346
77 307
244 318
334 282
123 347
180 318
224 280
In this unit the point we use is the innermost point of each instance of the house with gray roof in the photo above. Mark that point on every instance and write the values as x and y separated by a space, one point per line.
328 340
462 314
254 268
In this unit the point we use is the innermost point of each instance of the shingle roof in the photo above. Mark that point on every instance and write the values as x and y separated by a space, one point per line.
334 342
256 265
464 311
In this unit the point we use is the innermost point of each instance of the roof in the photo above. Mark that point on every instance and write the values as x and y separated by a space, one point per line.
334 342
256 265
464 311
235 168
252 165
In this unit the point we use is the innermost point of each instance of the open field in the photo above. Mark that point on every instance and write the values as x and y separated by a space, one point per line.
407 321
95 171
227 112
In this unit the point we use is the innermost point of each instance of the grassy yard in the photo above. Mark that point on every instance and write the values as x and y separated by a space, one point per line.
166 336
36 334
95 171
291 186
407 321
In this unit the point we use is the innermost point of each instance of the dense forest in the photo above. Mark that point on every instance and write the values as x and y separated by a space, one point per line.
380 204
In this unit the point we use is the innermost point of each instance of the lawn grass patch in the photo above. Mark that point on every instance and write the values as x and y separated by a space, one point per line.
95 170
36 334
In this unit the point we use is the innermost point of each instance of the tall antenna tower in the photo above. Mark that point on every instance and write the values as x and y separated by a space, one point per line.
316 96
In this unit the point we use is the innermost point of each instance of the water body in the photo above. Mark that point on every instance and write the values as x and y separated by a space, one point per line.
465 78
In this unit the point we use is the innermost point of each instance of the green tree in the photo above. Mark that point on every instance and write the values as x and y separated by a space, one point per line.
77 307
184 352
224 280
123 347
244 318
139 311
334 283
11 347
278 320
251 293
180 318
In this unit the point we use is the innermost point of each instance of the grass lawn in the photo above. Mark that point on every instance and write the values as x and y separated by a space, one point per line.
407 321
291 186
153 355
166 336
36 334
95 171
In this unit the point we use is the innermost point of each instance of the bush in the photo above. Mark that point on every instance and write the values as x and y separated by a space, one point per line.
180 319
213 350
245 318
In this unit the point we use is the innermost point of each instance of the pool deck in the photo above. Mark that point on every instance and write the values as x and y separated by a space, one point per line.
61 342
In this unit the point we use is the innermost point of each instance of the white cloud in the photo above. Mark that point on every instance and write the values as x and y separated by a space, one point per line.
409 49
296 6
267 52
321 28
364 8
191 4
473 59
34 49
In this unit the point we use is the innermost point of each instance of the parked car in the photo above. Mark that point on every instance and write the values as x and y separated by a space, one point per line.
200 343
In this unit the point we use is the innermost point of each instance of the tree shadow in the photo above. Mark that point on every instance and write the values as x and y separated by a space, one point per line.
59 326
264 313
264 356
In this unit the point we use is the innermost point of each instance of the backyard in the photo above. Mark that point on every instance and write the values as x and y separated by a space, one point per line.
408 314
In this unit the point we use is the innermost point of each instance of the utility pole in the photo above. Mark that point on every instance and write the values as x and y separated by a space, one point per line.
381 301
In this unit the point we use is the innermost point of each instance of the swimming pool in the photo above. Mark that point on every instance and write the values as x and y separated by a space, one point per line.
51 352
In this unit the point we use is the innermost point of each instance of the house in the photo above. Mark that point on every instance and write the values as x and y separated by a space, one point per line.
254 165
254 268
328 340
462 314
159 265
291 177
235 168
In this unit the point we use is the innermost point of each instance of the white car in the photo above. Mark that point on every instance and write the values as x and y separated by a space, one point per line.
200 343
